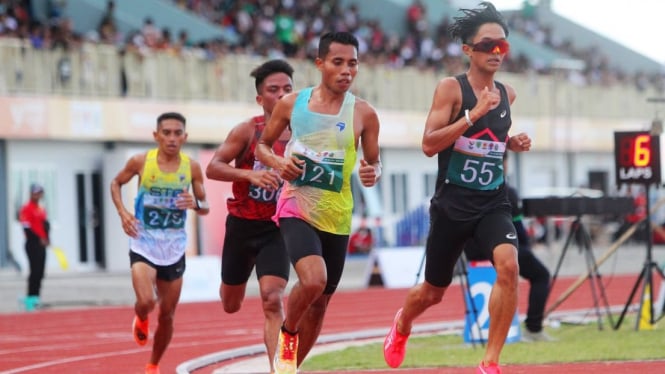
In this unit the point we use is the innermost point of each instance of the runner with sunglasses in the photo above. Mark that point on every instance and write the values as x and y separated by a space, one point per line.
467 128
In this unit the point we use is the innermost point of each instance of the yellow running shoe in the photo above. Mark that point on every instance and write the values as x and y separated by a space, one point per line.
286 361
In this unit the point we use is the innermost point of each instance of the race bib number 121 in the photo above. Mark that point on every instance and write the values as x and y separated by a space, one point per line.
325 173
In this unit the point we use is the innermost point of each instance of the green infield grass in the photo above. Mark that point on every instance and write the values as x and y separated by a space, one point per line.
574 343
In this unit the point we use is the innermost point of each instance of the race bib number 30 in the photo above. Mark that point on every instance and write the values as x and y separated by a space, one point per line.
263 195
324 173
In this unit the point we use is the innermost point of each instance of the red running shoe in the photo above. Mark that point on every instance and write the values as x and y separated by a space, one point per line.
140 331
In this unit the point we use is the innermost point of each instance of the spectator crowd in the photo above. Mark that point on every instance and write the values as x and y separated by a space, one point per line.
290 29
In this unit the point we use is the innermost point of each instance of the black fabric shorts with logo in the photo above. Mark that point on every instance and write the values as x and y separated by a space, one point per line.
448 237
166 273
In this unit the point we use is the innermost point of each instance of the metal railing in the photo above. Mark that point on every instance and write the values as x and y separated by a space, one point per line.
97 70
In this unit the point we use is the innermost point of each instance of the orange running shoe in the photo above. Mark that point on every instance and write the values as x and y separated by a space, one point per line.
394 347
151 369
492 368
140 331
285 361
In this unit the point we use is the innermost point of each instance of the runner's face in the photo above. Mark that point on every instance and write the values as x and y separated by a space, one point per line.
489 61
170 136
272 89
339 67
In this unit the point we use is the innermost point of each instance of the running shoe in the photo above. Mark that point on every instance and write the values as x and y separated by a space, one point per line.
151 369
31 303
489 369
140 331
286 361
540 336
394 347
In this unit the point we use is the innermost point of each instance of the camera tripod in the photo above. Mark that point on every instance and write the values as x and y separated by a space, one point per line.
580 234
646 276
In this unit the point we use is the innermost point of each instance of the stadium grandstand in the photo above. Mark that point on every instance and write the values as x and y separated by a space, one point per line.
81 82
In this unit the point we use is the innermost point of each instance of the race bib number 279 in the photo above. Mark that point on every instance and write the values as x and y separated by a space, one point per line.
160 218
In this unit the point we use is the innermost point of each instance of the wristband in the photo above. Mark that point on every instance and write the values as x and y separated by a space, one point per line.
377 170
197 204
201 204
467 117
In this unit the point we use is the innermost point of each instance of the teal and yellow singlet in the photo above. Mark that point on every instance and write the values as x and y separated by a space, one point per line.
162 238
321 196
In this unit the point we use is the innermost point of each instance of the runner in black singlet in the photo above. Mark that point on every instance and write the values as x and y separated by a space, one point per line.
467 127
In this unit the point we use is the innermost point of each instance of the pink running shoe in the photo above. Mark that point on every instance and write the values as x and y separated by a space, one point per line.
489 369
394 347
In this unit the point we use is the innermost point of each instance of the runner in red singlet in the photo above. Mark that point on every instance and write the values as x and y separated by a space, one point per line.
252 238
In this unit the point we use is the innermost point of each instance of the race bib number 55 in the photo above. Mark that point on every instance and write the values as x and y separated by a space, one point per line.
476 164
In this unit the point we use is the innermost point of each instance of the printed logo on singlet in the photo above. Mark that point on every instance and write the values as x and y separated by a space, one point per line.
341 126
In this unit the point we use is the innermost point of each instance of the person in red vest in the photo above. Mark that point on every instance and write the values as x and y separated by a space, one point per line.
361 241
253 241
33 218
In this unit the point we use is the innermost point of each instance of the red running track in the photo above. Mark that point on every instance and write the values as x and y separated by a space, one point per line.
98 339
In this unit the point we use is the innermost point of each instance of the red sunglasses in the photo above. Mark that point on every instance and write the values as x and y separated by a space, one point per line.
500 46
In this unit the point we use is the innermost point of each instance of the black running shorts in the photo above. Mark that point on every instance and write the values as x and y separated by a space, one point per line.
304 240
447 238
166 273
249 243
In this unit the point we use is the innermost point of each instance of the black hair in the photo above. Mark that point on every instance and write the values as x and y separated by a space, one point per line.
342 37
171 115
268 68
465 27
